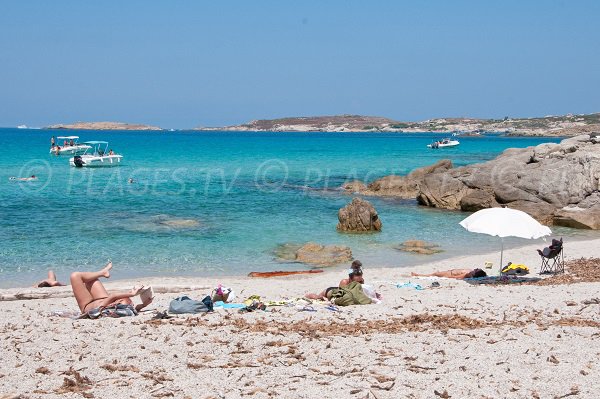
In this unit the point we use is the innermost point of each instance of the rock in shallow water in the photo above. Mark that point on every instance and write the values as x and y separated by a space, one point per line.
419 247
314 254
358 216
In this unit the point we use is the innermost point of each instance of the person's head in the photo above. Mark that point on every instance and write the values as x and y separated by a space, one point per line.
476 273
355 272
44 284
33 176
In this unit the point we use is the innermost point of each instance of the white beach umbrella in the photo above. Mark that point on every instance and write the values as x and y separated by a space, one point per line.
505 222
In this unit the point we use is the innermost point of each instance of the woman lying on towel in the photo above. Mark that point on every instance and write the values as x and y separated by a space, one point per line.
95 301
455 273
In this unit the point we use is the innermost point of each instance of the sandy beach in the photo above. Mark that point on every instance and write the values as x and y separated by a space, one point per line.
455 341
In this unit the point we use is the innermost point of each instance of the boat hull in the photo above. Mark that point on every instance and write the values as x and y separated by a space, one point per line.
97 161
70 150
452 143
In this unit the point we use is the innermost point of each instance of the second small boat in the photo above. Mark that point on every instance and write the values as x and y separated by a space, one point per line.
98 155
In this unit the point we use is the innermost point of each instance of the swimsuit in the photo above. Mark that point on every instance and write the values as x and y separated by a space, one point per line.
92 301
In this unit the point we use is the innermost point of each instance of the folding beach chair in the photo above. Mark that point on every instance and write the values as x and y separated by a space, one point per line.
553 259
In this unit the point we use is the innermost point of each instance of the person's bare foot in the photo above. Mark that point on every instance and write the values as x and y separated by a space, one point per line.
106 270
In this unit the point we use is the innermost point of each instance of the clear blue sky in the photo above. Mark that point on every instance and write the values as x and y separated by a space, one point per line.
192 63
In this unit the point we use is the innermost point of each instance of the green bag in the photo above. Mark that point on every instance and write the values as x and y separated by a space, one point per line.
351 294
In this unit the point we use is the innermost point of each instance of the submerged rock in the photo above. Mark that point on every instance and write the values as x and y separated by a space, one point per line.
358 216
419 247
314 254
156 223
554 183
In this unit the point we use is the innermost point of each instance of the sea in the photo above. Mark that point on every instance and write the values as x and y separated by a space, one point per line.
206 203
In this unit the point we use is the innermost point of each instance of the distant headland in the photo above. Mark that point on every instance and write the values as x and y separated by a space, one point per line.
103 126
561 126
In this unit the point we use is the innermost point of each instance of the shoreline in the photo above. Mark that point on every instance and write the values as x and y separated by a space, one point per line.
523 254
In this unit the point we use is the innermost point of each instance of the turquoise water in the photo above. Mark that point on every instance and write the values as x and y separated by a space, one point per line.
237 194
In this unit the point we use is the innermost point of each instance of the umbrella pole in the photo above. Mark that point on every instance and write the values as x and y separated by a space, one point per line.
501 253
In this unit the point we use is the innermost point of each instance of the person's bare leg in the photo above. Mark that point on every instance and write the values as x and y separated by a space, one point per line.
52 280
86 286
91 276
322 295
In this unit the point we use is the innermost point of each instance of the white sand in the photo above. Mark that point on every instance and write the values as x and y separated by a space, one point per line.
528 341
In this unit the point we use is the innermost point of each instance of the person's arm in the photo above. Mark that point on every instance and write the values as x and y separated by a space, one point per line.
115 297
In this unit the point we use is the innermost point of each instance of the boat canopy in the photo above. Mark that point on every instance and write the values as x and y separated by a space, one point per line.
95 142
67 137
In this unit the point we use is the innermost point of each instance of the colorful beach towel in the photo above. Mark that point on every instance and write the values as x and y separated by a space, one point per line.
489 280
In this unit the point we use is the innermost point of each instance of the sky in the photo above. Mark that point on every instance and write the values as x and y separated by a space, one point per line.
183 64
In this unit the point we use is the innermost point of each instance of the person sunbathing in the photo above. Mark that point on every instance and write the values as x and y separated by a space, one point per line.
355 273
91 294
454 273
51 281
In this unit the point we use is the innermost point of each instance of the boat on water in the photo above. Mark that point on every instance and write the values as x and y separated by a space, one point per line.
22 127
98 155
444 143
70 146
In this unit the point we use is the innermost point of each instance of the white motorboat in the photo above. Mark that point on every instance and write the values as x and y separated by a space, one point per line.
444 143
98 155
70 146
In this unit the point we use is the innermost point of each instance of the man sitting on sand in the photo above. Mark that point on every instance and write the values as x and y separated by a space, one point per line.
51 281
93 298
455 273
355 274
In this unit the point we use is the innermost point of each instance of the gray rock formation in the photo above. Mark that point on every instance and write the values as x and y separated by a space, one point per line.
314 254
555 183
398 186
358 216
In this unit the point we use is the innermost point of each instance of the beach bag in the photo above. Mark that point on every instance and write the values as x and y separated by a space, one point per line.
223 294
514 269
351 294
185 304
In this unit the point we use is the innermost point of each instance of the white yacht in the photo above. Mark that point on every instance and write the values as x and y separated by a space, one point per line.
68 145
98 155
443 143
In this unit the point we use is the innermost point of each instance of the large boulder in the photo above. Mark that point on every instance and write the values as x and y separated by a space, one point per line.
585 215
358 216
398 186
555 183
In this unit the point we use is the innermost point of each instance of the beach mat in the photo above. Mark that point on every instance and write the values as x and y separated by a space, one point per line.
491 280
283 273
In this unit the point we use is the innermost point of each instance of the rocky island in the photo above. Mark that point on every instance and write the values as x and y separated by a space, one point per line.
555 183
560 126
103 126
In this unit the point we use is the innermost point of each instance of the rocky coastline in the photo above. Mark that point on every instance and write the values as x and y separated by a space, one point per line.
548 126
558 184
